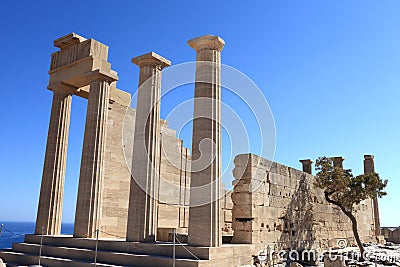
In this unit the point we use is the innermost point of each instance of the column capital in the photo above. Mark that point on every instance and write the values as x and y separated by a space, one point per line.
338 162
101 75
306 161
211 42
62 88
368 157
307 165
151 59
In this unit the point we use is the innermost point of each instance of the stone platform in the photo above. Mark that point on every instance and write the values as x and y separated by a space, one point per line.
66 250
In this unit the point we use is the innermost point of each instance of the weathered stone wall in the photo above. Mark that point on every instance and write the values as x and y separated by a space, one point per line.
392 234
277 204
174 167
115 195
173 211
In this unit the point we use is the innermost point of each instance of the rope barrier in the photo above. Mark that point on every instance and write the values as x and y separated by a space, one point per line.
186 249
174 249
13 235
41 246
97 246
175 238
119 237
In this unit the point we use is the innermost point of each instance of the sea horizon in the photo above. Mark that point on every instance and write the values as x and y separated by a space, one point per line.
15 231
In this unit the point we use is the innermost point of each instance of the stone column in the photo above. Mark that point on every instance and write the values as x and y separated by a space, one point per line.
142 213
369 167
52 189
205 207
88 206
307 165
338 162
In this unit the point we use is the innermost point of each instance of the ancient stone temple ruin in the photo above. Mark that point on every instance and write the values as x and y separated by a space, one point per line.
133 212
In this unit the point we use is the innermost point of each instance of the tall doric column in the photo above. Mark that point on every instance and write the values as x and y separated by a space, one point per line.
88 205
307 165
205 187
52 189
369 167
142 214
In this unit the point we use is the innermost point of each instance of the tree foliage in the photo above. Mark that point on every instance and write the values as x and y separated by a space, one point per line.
346 191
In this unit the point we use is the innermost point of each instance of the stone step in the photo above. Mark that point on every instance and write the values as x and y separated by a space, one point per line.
106 257
157 249
12 264
21 259
138 254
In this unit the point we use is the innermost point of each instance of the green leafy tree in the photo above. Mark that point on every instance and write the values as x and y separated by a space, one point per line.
346 191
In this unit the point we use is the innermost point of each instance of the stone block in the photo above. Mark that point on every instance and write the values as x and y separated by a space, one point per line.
227 216
242 160
243 211
246 237
246 225
244 198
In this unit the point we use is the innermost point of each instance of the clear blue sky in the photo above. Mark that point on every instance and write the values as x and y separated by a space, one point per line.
330 71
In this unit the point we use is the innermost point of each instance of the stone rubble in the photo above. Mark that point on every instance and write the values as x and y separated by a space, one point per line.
377 255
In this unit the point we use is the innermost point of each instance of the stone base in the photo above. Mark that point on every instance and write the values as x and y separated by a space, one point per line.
70 251
166 234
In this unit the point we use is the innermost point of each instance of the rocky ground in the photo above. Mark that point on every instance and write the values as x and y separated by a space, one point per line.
376 255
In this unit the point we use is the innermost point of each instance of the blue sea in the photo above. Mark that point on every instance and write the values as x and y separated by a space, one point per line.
13 232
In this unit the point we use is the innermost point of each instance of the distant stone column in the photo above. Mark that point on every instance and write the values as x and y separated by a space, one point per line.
52 189
142 213
307 165
369 167
338 162
88 206
369 164
205 206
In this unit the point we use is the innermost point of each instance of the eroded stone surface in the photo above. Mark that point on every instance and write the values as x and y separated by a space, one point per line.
281 205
